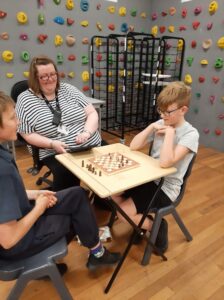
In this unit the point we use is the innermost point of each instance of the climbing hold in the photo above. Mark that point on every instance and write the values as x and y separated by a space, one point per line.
167 61
4 36
131 28
124 27
71 57
60 58
209 26
61 74
26 74
133 12
99 26
57 2
42 37
98 74
215 79
154 30
188 79
25 56
190 60
180 45
193 44
201 79
195 24
69 4
171 28
212 99
162 29
23 36
206 44
182 28
58 40
3 14
154 16
84 23
111 9
218 63
163 13
206 130
98 42
85 76
59 20
172 10
220 43
85 88
99 57
7 56
122 11
85 41
70 21
197 10
85 59
198 95
196 110
184 12
84 5
70 40
98 6
22 17
41 19
218 131
111 88
204 62
9 75
111 26
213 6
143 15
71 74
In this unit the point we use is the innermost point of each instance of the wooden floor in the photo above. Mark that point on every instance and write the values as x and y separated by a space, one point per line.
194 271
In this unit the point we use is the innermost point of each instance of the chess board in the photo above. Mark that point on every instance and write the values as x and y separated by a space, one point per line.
112 163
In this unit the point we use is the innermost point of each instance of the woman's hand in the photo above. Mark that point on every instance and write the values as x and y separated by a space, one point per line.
82 137
58 146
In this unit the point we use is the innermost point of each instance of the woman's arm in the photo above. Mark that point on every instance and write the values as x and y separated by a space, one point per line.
40 141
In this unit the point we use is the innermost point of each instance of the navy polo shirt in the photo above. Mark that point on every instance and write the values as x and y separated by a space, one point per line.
14 203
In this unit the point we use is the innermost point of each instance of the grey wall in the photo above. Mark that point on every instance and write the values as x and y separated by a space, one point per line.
50 10
203 115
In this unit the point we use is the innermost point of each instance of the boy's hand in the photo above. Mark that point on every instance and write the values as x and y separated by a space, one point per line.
165 129
42 203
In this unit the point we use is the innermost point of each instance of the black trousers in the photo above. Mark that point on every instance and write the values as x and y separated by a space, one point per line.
71 215
62 177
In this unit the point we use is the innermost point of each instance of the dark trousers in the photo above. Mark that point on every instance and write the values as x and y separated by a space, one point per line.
71 215
62 177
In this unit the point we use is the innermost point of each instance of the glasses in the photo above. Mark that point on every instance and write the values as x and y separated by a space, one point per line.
168 112
46 77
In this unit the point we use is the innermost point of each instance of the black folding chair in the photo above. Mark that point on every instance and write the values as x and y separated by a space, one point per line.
16 90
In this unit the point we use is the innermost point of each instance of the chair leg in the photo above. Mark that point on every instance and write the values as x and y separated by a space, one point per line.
182 226
59 283
18 288
152 238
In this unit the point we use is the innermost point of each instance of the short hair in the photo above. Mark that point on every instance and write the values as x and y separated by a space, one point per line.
175 92
5 102
33 81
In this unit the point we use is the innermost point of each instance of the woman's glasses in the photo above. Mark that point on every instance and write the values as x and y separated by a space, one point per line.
46 77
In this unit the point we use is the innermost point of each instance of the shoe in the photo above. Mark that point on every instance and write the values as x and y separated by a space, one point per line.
62 268
162 237
108 259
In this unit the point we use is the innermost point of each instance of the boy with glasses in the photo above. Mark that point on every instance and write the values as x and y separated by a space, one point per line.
173 141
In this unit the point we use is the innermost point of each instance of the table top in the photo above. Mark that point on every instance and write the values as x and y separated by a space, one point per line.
147 169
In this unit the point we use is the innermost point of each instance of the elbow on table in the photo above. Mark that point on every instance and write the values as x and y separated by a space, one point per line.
166 164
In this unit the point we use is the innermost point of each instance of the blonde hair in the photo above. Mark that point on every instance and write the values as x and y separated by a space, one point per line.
33 78
5 102
175 92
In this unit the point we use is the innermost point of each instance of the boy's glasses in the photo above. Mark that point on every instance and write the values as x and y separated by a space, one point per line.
167 113
46 77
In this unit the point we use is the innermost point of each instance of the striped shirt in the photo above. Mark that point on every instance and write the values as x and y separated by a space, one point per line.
35 116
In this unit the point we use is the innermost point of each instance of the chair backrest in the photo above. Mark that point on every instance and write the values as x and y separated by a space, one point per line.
186 176
18 88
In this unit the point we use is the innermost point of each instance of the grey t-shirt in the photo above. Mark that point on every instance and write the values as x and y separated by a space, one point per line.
187 136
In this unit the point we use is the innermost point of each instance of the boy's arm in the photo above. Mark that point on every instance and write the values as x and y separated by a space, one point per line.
141 139
170 154
12 232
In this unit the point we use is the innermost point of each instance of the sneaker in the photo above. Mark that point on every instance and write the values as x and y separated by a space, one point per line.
162 237
62 268
107 259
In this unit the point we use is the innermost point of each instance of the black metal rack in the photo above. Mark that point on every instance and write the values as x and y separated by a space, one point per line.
126 72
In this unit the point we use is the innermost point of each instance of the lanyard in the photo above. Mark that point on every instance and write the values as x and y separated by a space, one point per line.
50 106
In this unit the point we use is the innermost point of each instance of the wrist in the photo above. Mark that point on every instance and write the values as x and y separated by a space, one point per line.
89 132
51 145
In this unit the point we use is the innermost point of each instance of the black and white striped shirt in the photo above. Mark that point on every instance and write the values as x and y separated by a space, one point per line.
35 116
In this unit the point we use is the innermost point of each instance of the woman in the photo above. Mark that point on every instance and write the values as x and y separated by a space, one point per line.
55 116
28 227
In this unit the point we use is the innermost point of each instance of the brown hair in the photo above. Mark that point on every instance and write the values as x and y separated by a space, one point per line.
175 92
5 102
33 79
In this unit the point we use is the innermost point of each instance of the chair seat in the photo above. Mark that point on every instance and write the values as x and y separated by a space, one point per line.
36 266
